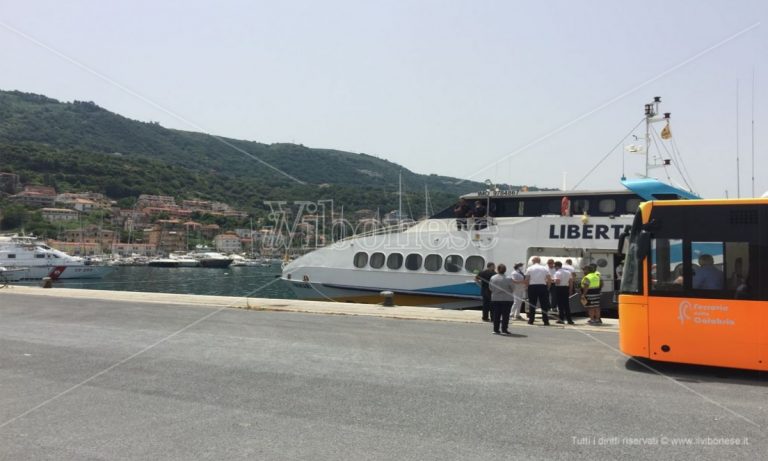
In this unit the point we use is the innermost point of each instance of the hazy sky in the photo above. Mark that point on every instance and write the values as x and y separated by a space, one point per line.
514 91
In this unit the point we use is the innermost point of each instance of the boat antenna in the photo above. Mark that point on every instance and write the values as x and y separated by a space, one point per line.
651 110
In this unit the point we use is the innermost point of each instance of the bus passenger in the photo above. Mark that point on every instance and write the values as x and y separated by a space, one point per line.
707 276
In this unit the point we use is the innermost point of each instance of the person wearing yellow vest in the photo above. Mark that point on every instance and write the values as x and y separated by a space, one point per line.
590 291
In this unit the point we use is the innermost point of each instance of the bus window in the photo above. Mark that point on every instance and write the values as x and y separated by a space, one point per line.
737 267
666 265
707 263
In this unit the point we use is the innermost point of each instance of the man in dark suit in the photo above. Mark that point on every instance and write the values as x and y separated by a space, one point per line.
483 279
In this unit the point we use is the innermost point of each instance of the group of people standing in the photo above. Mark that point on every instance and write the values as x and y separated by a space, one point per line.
463 211
543 286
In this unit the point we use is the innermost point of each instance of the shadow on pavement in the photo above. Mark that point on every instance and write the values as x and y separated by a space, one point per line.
699 373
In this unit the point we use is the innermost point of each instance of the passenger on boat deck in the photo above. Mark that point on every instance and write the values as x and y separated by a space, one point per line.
480 212
461 211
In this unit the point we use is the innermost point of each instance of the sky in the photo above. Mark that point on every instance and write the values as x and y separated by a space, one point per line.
533 93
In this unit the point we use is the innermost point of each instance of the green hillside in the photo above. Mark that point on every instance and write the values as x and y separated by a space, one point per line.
81 146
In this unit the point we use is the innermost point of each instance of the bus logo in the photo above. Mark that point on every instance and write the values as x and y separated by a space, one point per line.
703 314
683 311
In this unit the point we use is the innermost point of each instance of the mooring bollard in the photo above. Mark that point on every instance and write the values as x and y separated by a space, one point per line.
389 298
47 282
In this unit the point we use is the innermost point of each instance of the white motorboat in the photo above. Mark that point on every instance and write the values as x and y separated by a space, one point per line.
211 259
30 259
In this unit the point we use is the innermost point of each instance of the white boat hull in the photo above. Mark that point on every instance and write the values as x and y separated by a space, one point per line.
58 272
322 292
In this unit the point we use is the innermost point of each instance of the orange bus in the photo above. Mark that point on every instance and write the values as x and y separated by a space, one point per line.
694 287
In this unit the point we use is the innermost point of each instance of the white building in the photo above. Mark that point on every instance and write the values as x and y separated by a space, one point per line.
228 242
59 214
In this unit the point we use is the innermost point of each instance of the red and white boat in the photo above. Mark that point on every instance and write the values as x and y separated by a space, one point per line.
28 258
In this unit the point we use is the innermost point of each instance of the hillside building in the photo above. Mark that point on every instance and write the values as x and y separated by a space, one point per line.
228 242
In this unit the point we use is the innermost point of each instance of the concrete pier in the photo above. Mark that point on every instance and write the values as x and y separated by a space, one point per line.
117 375
294 305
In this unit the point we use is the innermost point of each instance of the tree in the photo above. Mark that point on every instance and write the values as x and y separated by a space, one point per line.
13 217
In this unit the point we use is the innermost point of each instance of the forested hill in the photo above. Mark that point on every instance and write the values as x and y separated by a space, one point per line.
81 146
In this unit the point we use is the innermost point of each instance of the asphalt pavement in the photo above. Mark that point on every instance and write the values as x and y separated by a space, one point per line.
94 375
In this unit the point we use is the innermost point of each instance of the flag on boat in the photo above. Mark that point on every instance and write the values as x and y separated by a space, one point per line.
665 132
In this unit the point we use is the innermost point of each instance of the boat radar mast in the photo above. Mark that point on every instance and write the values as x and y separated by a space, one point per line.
651 112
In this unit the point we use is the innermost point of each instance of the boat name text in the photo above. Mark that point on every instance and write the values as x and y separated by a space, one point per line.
586 231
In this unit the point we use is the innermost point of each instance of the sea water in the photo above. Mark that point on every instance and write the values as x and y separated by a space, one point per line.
250 281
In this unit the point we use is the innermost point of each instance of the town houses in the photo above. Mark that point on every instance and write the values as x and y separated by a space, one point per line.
90 223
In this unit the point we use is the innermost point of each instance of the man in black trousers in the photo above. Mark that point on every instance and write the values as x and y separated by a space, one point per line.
483 279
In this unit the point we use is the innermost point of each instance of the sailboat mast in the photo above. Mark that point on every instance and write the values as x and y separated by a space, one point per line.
753 131
400 199
738 170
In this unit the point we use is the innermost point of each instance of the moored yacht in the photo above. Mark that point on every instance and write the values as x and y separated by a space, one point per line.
29 258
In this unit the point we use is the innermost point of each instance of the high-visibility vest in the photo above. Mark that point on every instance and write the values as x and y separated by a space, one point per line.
594 280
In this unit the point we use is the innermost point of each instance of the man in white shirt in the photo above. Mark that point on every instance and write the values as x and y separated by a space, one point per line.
538 279
563 287
520 289
569 266
551 289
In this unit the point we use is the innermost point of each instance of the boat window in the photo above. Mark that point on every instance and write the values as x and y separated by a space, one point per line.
377 260
433 262
607 205
474 264
11 256
602 262
453 263
580 206
553 206
413 262
632 205
39 255
361 259
395 261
